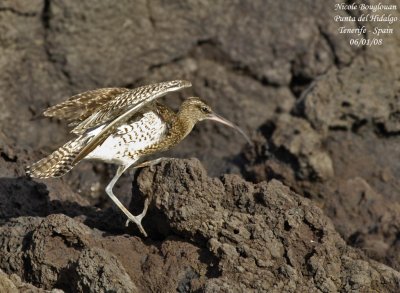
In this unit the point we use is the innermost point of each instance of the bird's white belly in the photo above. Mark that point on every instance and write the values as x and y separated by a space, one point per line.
125 145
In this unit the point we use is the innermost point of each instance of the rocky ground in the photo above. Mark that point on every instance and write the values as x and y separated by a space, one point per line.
312 206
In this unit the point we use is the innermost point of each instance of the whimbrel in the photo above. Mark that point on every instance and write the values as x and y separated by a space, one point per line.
123 126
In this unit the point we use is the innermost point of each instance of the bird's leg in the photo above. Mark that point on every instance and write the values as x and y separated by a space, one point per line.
151 163
138 219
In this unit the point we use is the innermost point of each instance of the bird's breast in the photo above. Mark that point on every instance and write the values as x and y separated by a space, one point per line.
131 139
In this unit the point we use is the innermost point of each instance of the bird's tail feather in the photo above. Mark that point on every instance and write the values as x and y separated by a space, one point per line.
59 162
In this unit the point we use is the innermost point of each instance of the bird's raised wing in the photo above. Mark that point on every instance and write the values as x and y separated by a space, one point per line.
79 107
127 100
121 108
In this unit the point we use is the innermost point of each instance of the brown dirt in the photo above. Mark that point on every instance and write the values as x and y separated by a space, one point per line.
313 206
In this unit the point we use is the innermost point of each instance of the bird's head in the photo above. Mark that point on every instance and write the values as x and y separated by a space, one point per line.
194 110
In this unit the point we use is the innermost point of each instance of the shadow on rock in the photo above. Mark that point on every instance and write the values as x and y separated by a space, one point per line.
21 197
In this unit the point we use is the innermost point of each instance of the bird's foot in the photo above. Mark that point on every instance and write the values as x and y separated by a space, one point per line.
138 219
151 164
138 224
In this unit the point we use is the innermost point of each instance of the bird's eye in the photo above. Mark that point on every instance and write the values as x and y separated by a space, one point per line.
204 109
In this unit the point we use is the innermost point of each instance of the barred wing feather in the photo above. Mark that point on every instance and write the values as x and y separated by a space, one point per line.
140 97
116 112
81 106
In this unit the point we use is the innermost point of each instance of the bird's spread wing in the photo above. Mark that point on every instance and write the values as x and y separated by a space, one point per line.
140 97
121 108
79 107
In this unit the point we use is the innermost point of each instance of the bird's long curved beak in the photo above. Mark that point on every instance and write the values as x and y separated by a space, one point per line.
222 120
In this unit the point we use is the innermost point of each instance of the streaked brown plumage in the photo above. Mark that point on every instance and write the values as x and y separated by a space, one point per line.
122 126
79 107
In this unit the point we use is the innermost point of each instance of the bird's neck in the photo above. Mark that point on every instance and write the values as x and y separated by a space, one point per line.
179 127
184 123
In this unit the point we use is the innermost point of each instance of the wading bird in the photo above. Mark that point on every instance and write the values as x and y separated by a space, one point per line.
123 126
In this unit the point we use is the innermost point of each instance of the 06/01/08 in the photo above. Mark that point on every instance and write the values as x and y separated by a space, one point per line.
366 42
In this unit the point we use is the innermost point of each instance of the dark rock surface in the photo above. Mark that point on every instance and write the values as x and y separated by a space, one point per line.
266 237
13 283
340 152
260 237
313 206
